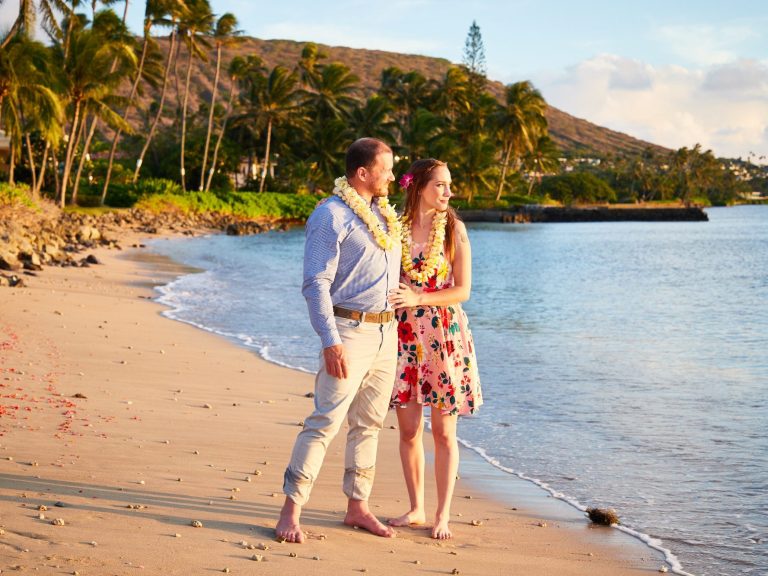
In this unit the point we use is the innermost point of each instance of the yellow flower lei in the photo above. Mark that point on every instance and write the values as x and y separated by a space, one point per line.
363 211
432 259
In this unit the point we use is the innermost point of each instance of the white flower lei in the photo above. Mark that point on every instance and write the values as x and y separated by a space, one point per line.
432 258
363 211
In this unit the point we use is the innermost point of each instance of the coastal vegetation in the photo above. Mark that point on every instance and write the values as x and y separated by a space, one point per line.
189 115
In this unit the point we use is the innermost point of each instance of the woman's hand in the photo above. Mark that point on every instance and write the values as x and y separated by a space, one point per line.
403 297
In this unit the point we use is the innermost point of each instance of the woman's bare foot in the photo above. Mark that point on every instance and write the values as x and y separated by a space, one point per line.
410 518
360 516
441 531
288 528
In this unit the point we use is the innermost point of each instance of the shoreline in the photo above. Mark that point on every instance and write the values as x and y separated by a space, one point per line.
103 374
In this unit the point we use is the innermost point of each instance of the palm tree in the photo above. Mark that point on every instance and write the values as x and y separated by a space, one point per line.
88 81
451 96
542 159
167 13
225 33
155 13
238 69
373 118
307 67
114 31
27 103
197 24
276 101
521 122
332 92
27 17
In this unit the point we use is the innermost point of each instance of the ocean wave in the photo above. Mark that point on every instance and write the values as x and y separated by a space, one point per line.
654 543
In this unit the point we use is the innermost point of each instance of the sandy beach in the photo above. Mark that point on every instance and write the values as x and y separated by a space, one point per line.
120 429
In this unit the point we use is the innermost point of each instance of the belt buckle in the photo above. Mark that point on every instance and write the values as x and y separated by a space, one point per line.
362 316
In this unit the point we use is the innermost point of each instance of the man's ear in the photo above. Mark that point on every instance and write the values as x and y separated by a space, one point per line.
361 173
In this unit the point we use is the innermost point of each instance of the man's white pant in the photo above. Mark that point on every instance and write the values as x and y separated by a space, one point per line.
363 398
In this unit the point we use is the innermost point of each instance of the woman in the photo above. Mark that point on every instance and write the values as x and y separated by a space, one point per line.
436 360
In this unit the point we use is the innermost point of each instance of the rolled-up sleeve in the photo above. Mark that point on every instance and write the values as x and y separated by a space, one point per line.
321 259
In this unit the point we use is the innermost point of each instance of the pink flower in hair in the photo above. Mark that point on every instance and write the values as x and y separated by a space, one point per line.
406 180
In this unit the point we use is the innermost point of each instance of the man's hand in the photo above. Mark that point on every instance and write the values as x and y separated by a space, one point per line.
335 361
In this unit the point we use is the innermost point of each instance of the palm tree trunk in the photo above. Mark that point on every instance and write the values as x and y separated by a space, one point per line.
31 157
266 156
210 114
41 176
69 154
220 138
504 168
159 114
86 148
79 137
12 165
127 111
12 32
184 117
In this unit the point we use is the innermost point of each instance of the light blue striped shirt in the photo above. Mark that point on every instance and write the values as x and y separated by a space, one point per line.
344 266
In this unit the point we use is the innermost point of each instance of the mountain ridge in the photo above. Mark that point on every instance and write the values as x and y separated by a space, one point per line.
573 135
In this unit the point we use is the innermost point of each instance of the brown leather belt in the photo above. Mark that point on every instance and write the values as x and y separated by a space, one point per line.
375 317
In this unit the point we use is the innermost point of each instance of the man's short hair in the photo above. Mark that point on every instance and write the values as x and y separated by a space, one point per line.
362 154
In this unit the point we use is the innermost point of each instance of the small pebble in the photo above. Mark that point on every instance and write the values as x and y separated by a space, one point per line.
663 569
315 557
247 478
417 561
243 543
42 508
542 524
476 522
455 571
257 557
58 522
196 524
41 516
262 546
226 570
453 553
292 554
94 544
142 482
207 406
177 535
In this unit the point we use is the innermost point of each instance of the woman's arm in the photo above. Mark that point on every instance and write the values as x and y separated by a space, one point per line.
462 278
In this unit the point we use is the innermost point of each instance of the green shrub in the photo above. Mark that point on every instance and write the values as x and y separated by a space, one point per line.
16 194
248 205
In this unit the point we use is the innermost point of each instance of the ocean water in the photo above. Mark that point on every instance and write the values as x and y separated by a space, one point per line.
624 365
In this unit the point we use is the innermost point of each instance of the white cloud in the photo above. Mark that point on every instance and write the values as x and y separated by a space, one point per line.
724 108
706 44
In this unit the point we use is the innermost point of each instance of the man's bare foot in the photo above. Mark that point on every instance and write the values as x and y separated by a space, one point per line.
360 516
288 528
441 531
410 518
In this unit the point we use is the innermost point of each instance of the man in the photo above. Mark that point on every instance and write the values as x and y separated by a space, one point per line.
351 261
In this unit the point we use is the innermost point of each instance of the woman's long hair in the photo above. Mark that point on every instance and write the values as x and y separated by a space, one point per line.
421 171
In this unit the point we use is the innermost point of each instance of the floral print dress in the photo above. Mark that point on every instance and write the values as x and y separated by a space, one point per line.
436 363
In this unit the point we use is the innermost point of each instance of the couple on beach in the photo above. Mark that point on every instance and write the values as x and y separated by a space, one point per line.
384 296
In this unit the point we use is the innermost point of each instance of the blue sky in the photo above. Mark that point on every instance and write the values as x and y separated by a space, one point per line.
676 73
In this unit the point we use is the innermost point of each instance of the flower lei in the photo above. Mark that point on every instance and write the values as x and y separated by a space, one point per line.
363 211
432 259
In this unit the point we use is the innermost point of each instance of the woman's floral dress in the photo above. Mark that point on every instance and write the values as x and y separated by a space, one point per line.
436 363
